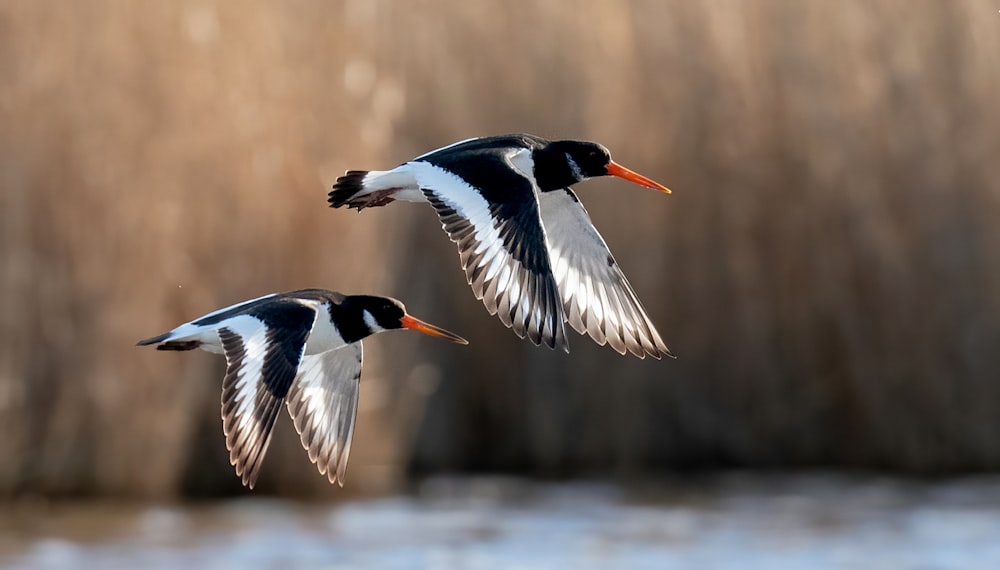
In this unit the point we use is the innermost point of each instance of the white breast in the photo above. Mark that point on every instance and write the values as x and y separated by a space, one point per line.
324 335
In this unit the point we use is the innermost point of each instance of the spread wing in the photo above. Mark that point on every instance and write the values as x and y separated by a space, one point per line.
323 403
261 362
490 211
597 298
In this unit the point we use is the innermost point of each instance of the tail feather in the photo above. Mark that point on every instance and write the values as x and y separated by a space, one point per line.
346 188
163 342
179 345
154 340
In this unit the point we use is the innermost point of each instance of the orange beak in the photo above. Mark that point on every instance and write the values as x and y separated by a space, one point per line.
615 169
416 324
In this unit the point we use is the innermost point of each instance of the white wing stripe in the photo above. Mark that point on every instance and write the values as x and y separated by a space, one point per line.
236 306
254 335
446 147
525 301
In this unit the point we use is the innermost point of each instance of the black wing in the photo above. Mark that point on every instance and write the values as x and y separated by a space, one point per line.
488 207
263 351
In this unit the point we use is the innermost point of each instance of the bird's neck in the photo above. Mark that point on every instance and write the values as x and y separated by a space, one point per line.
350 322
552 170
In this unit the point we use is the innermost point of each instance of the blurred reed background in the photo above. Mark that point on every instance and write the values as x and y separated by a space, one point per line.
826 269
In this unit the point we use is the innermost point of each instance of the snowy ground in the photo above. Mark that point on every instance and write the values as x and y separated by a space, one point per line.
740 521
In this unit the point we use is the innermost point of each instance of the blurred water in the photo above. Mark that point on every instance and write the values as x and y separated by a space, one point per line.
732 521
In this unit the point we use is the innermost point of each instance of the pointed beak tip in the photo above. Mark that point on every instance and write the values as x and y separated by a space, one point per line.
615 169
452 337
413 323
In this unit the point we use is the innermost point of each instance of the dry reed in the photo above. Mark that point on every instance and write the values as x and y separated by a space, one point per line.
826 268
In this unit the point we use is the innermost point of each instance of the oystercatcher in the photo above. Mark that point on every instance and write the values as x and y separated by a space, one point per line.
527 245
302 348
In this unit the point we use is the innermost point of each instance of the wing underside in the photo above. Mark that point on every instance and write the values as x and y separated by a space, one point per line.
597 298
323 404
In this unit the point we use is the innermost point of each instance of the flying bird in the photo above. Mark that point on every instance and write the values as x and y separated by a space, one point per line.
302 349
526 243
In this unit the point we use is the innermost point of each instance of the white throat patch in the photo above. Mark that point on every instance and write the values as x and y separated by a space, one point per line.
371 322
577 173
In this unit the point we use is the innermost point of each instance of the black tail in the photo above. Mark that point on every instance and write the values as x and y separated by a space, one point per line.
154 340
170 344
346 187
179 345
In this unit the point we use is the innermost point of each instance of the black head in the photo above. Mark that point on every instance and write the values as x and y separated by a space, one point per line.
378 313
384 313
563 163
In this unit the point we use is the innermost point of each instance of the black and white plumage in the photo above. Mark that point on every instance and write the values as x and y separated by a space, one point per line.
301 349
526 243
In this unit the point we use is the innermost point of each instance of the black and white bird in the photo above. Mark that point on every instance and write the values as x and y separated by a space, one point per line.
302 349
527 245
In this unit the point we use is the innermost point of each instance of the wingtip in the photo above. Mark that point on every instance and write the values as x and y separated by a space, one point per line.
561 341
660 353
662 350
546 340
250 475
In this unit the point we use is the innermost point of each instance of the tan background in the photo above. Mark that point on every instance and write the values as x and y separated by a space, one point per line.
827 269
